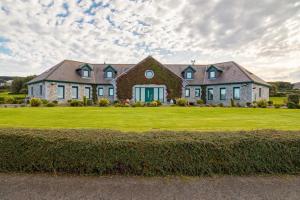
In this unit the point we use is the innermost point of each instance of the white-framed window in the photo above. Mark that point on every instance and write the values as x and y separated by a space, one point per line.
109 74
86 73
87 92
74 92
149 74
189 75
111 91
187 92
212 74
60 91
100 91
222 93
210 93
236 93
197 92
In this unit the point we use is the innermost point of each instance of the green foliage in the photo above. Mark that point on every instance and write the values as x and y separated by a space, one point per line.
232 103
277 105
94 94
262 103
55 102
76 103
270 103
293 98
105 152
50 104
44 101
292 105
89 102
35 102
2 100
103 102
19 84
200 102
138 104
85 100
9 100
182 102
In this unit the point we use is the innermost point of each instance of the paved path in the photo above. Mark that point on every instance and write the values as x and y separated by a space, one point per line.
22 186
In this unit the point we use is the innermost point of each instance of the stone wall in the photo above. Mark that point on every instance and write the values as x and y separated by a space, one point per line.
192 97
34 90
255 92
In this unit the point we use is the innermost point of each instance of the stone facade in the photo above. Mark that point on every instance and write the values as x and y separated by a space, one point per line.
256 94
192 97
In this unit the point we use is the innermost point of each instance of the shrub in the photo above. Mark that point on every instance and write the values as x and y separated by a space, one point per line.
232 103
158 102
262 103
249 104
182 102
137 104
89 102
200 102
35 102
292 105
106 152
221 105
293 98
50 104
270 103
55 102
153 104
103 102
9 100
2 99
76 103
277 105
84 101
44 101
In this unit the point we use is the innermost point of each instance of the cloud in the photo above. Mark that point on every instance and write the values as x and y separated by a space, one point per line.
263 36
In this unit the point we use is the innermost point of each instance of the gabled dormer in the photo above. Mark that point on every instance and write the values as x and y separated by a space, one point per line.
109 72
188 73
213 72
85 71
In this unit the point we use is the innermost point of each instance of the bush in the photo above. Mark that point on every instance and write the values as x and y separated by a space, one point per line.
232 103
104 152
55 102
76 103
293 98
103 102
44 101
292 105
138 104
84 101
2 99
277 105
9 100
182 102
50 104
35 102
89 102
200 102
262 103
153 104
270 103
249 104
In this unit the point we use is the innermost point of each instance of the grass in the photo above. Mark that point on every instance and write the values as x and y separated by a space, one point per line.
145 119
278 100
6 94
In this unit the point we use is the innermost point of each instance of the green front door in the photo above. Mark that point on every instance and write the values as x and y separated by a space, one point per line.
149 94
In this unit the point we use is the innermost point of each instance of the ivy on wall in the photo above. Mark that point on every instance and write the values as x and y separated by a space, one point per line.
94 93
203 93
136 76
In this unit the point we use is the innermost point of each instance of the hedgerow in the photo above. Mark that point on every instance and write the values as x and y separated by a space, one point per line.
106 152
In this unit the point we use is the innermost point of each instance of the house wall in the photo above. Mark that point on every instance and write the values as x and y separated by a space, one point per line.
255 92
36 90
192 97
245 94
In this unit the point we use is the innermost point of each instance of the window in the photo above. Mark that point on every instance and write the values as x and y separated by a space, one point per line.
210 94
100 91
222 93
31 91
149 74
259 92
111 91
189 75
74 92
212 74
109 74
187 92
197 92
41 90
86 73
236 93
87 92
60 92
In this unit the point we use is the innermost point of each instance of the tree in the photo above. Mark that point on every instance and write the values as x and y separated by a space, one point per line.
19 84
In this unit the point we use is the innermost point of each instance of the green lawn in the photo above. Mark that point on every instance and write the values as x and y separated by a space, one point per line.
6 94
161 118
278 100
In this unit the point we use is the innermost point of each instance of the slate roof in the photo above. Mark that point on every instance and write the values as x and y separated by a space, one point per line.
66 71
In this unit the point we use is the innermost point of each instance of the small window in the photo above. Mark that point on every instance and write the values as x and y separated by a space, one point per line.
100 91
86 73
187 92
60 92
210 94
87 92
189 75
259 92
74 92
149 74
41 90
111 92
212 74
31 91
222 93
236 93
109 74
197 92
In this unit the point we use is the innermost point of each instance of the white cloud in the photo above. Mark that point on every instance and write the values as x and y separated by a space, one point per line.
264 36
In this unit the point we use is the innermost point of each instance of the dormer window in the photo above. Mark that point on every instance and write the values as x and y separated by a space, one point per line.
188 73
109 72
86 73
212 74
85 70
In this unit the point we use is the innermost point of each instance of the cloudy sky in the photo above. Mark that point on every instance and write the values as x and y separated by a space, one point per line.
262 35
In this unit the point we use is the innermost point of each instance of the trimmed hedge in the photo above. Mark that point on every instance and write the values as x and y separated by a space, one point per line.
106 152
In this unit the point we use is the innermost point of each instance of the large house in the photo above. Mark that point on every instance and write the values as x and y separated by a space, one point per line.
149 80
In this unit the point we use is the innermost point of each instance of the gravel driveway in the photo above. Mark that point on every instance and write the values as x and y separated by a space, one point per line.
24 186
